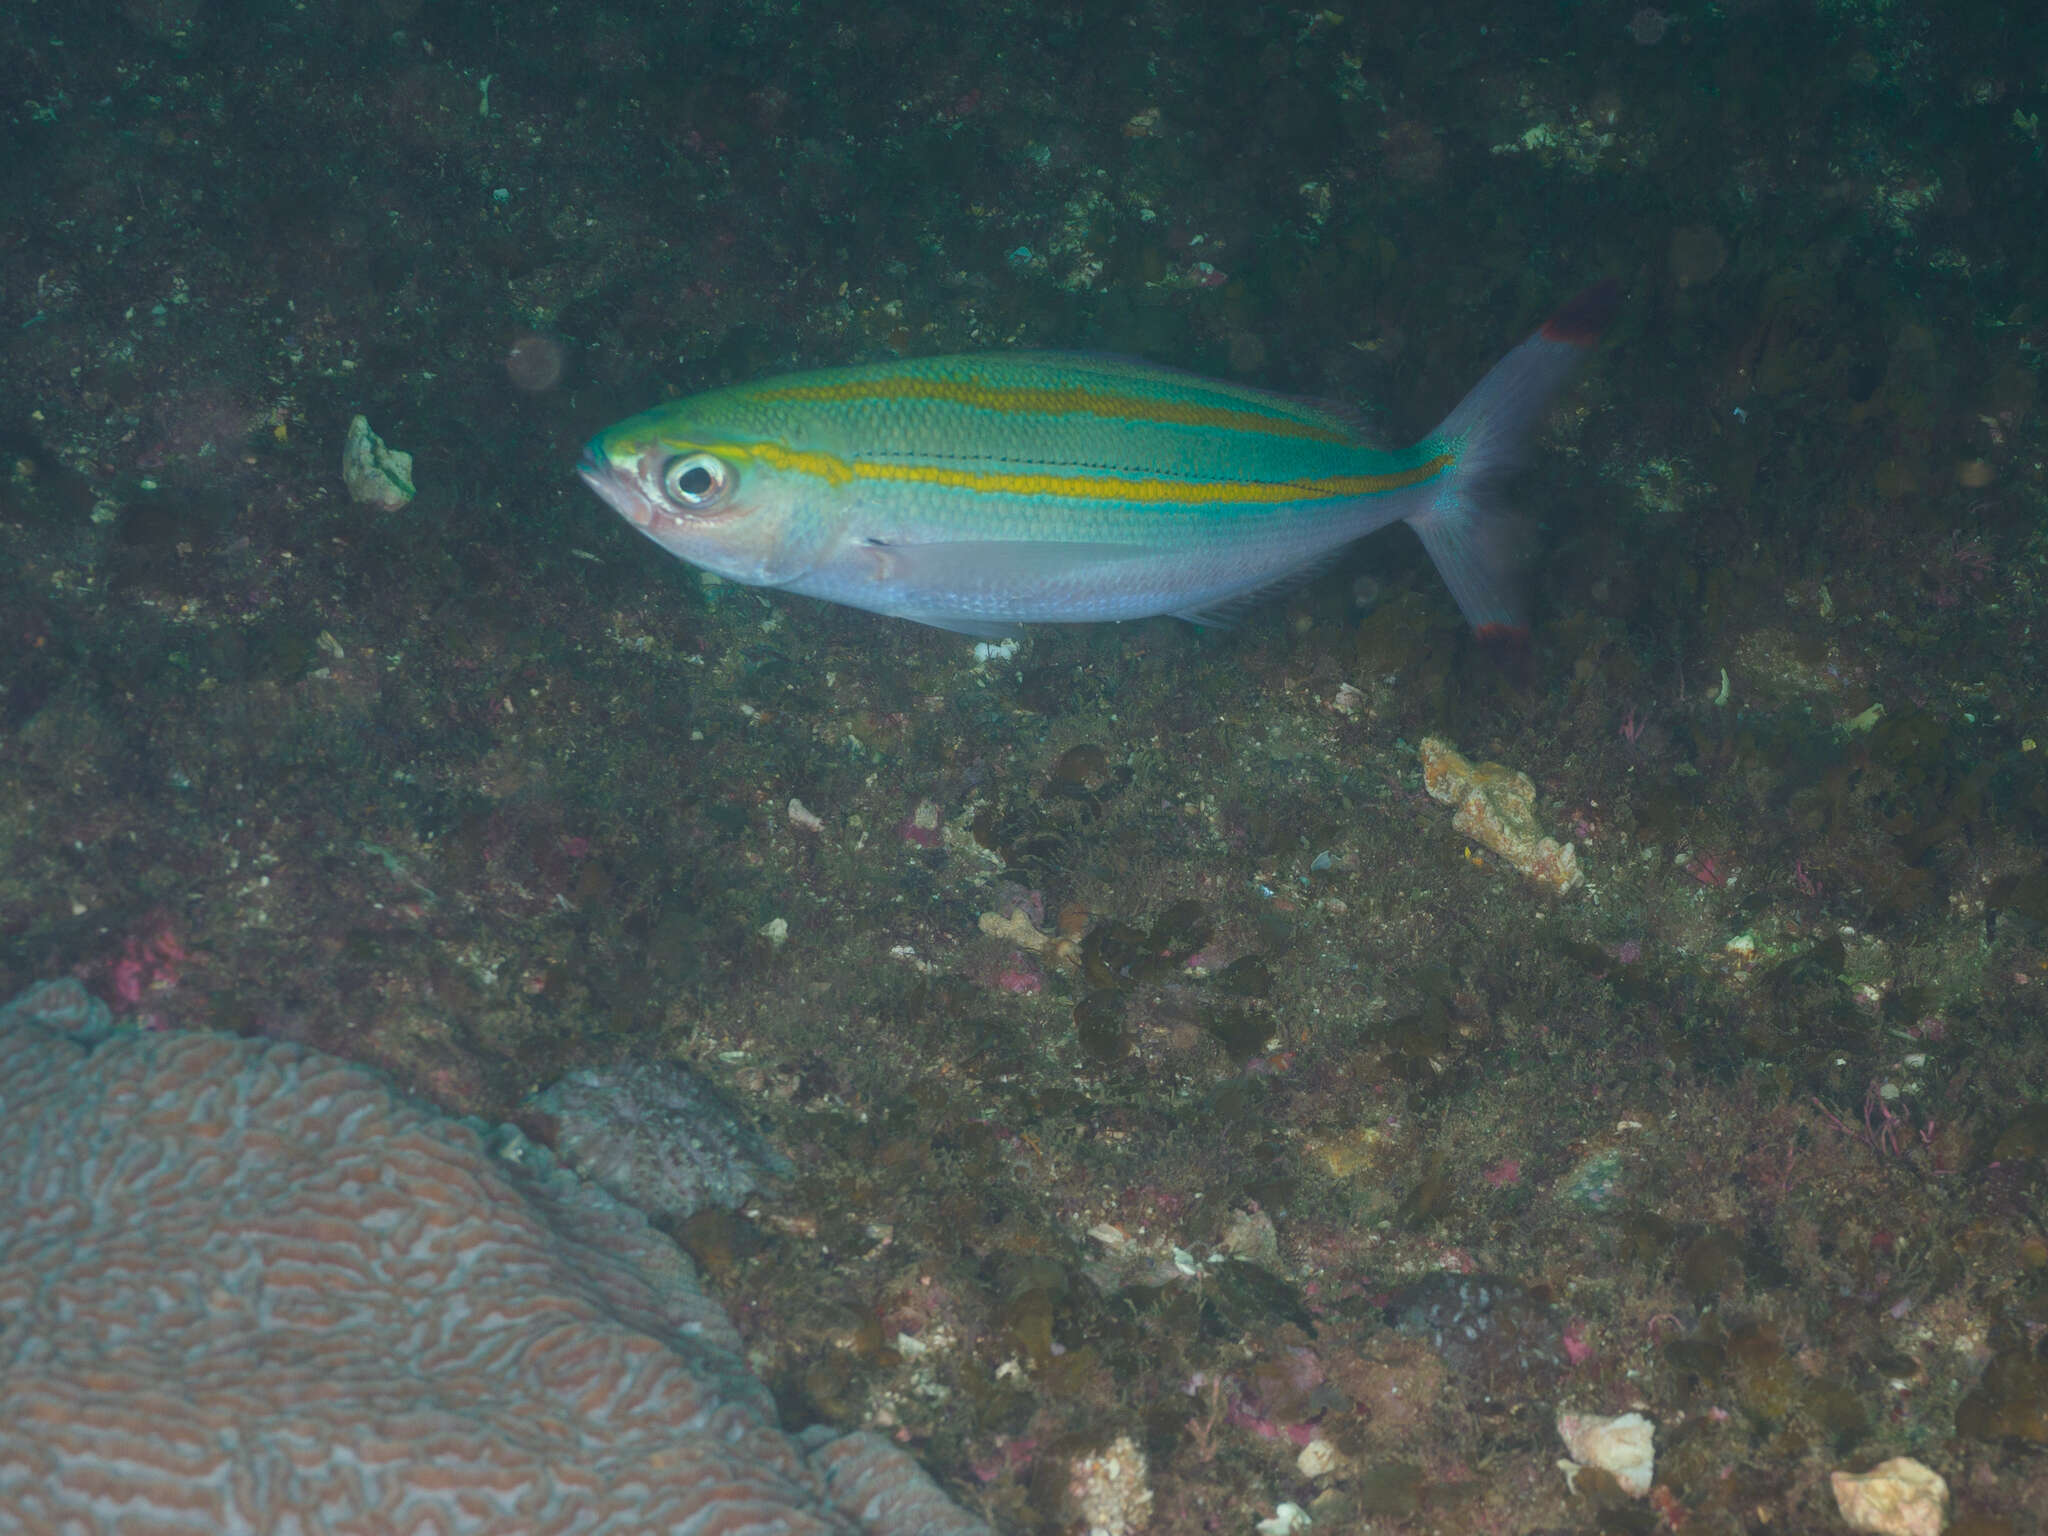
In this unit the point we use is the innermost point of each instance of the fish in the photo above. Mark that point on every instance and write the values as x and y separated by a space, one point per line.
984 492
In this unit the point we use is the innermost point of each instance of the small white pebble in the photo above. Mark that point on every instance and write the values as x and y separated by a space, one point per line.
1623 1445
1284 1521
1316 1458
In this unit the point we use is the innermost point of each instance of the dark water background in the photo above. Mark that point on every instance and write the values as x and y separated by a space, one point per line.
485 788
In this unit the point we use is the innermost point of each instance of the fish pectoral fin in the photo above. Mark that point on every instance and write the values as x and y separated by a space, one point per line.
953 586
975 560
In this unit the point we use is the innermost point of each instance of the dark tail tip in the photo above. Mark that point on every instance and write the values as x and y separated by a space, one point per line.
1585 315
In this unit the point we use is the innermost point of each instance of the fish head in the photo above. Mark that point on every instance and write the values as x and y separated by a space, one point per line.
715 489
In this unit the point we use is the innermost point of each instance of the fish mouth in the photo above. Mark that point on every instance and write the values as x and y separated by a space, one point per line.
594 467
616 490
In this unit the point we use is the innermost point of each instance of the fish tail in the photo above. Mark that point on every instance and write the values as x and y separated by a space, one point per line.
1475 541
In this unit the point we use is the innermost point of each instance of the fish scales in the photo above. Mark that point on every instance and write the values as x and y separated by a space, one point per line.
983 492
1087 452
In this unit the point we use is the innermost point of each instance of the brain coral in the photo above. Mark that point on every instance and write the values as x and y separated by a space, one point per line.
247 1287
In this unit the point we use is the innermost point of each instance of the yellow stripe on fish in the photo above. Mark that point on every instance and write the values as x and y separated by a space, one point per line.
1056 401
834 470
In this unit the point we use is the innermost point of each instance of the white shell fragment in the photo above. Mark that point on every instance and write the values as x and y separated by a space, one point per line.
1894 1498
1620 1446
375 475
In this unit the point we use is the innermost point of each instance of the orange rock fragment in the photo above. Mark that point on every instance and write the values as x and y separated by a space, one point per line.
1496 808
1899 1497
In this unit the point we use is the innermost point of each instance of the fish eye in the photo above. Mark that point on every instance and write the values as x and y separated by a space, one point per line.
696 480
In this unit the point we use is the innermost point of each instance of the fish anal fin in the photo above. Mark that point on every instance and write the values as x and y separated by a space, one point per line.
1226 611
980 629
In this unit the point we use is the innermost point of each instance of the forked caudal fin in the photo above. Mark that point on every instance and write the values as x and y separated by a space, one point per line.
1474 541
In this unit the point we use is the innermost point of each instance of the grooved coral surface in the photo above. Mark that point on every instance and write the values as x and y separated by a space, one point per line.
246 1287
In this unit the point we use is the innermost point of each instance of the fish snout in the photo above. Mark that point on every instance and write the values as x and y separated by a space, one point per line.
617 489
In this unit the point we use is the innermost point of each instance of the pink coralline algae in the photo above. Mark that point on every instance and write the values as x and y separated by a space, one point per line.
248 1287
1019 978
150 961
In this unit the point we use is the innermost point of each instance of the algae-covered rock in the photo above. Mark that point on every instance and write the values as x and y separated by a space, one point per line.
375 475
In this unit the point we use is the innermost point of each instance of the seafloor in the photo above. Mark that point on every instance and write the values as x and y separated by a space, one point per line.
1749 1134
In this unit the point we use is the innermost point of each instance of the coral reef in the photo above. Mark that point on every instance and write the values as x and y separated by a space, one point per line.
246 1287
482 792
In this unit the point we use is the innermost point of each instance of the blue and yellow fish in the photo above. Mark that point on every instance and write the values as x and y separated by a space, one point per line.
985 492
